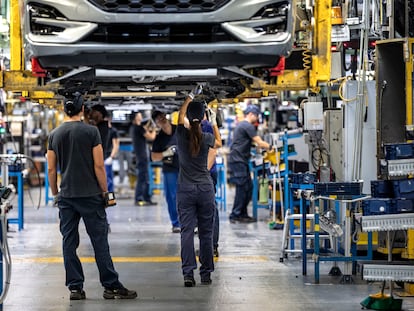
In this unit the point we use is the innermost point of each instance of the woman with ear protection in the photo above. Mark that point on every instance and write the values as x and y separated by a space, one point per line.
195 190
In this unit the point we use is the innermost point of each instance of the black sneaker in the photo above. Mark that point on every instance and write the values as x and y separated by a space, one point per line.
206 280
233 220
176 229
145 203
247 219
77 294
119 293
189 281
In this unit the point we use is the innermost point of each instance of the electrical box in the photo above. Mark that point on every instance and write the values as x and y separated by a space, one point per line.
313 116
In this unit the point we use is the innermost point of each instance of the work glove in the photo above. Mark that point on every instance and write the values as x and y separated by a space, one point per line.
211 116
170 151
56 200
196 91
108 161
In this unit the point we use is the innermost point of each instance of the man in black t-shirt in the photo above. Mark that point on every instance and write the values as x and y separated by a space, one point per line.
238 163
99 116
142 132
76 148
164 149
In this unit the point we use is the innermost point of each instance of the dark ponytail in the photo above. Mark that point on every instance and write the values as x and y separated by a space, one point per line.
72 106
195 134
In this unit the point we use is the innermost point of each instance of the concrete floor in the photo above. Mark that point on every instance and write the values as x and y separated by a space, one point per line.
248 276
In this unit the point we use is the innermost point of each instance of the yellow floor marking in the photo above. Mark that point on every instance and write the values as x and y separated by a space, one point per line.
140 259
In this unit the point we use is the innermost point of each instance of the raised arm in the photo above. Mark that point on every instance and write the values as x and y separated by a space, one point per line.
183 110
217 136
212 118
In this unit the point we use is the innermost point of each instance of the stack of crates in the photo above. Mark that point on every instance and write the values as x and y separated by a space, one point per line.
392 196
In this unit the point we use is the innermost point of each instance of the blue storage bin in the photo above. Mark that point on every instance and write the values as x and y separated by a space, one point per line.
338 188
403 206
382 189
403 188
399 151
377 206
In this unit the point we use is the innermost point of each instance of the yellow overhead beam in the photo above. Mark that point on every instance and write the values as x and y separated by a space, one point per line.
24 81
293 80
16 45
17 79
321 49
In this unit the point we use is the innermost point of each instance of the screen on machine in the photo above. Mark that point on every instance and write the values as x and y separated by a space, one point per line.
121 115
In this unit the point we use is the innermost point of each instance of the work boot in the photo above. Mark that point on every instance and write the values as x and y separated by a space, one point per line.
206 280
247 219
176 229
119 293
77 294
189 281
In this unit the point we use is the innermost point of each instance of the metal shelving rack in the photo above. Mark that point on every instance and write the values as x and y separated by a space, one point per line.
348 256
388 272
283 174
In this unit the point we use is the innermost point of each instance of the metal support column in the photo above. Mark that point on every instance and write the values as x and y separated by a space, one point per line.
20 201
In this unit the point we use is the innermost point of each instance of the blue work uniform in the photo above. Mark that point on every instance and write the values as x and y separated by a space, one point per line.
195 203
170 172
